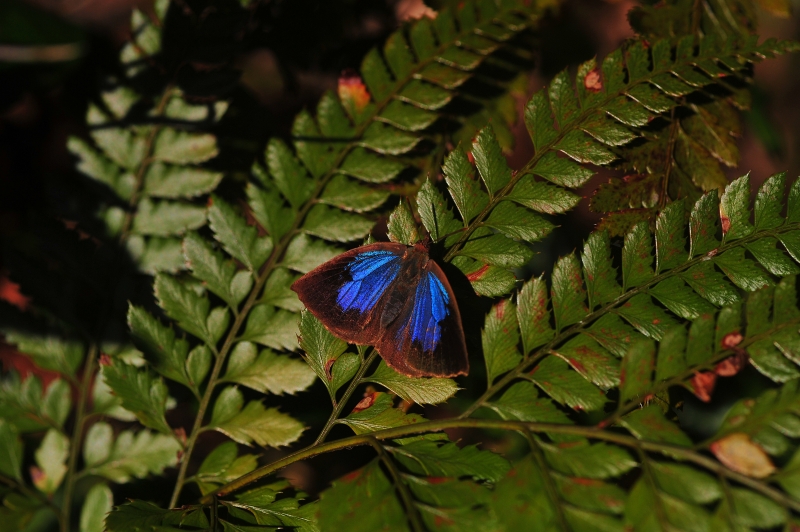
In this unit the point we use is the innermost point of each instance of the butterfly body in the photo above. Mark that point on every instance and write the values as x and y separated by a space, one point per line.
395 298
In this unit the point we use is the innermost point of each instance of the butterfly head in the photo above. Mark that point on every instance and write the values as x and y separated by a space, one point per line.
424 245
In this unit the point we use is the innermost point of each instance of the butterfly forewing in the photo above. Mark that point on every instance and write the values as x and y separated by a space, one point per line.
346 292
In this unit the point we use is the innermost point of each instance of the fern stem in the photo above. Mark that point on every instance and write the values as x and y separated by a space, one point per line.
660 511
77 435
499 385
549 484
726 493
668 450
30 493
673 137
142 170
412 514
339 405
602 310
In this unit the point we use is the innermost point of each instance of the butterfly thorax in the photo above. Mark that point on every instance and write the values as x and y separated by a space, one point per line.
413 267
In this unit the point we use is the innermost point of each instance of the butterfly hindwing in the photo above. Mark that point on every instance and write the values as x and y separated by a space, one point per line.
347 293
426 338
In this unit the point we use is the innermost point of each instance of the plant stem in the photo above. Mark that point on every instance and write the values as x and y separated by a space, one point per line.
648 477
497 386
549 485
339 405
408 501
77 435
673 137
668 450
30 493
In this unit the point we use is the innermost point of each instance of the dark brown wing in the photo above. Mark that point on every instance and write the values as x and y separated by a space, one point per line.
408 345
320 290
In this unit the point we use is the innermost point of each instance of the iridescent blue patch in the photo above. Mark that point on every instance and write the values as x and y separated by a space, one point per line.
371 273
430 308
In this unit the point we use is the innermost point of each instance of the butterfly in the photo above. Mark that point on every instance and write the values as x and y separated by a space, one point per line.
395 298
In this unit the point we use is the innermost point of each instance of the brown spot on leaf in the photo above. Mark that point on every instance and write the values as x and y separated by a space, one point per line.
703 385
593 82
731 365
441 520
105 360
577 365
328 367
500 309
477 274
351 476
180 433
726 223
731 340
366 402
656 321
437 480
38 476
353 93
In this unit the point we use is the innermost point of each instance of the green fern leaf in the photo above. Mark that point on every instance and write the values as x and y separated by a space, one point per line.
366 486
223 465
10 451
376 412
267 371
421 391
252 423
140 393
325 354
128 455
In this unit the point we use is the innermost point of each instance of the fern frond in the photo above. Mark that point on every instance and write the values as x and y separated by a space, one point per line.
593 319
148 155
685 154
151 161
587 122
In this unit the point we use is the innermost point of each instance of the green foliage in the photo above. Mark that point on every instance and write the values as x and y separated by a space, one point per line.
685 281
154 168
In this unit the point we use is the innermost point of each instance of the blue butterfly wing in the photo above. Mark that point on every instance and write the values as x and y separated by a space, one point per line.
426 338
347 293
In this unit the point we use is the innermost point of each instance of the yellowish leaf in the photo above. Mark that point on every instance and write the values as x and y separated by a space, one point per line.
741 454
